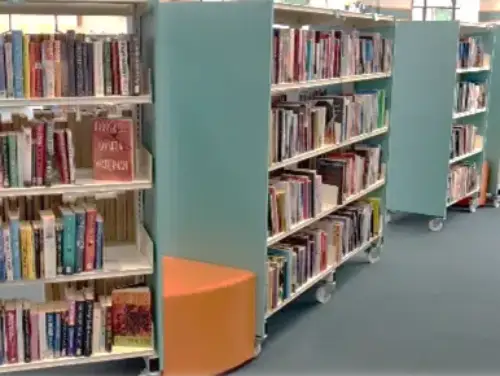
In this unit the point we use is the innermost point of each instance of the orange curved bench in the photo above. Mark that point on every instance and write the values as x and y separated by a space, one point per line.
208 316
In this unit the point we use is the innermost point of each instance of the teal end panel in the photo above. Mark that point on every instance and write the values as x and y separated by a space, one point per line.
493 130
212 96
421 116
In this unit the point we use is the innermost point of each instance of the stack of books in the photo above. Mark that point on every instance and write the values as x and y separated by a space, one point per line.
462 180
68 65
470 96
464 139
301 55
70 242
80 324
471 53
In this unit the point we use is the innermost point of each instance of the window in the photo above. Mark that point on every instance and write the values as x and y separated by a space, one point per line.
435 10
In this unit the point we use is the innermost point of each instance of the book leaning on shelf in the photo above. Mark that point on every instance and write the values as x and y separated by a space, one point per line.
302 126
68 65
67 243
470 95
80 324
462 180
299 194
302 256
300 55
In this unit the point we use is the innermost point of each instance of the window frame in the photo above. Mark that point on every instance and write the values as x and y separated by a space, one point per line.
425 7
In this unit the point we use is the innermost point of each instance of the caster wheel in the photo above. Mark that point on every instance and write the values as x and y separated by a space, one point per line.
436 224
373 254
473 205
324 293
496 202
257 350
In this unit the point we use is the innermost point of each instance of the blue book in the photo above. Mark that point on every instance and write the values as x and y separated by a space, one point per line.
80 216
15 246
69 241
50 323
17 63
288 268
99 241
3 83
57 334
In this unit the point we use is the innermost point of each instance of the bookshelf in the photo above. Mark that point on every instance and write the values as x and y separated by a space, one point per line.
435 108
125 246
227 202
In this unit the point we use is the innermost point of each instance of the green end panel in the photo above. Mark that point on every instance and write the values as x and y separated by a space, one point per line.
212 100
493 130
421 116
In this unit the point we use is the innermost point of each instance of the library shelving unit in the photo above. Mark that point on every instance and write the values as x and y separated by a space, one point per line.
127 259
423 115
216 204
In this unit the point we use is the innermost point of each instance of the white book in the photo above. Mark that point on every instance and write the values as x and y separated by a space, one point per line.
9 263
123 67
9 70
20 335
71 155
49 243
42 335
96 328
26 153
98 68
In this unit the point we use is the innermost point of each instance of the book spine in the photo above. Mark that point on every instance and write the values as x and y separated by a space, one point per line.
3 266
24 252
48 68
12 142
90 239
69 242
5 161
9 69
70 38
39 78
71 155
49 153
34 340
108 345
37 232
72 329
50 318
30 254
96 328
79 74
99 242
49 246
79 327
57 68
64 68
123 60
17 63
32 67
59 247
135 64
115 67
64 334
57 334
26 66
27 334
27 158
108 71
85 68
20 158
61 155
98 67
15 249
89 316
80 241
9 263
3 350
19 330
11 334
42 335
3 84
40 153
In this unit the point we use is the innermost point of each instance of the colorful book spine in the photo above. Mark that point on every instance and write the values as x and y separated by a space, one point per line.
98 56
80 239
57 334
17 63
79 324
19 158
5 160
71 349
9 263
79 73
64 334
49 153
59 246
70 38
89 316
50 321
99 242
71 155
48 68
15 247
123 60
49 243
37 248
9 69
11 333
26 321
69 241
34 340
26 66
108 72
57 68
3 261
90 238
27 159
3 84
13 168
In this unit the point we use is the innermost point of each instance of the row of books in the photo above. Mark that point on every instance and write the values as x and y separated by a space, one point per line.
81 325
471 53
299 194
300 55
462 179
300 257
69 243
301 126
464 139
68 65
470 95
38 154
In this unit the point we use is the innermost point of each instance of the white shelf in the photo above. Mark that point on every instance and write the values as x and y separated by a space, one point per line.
121 260
76 101
86 186
314 280
280 88
471 193
329 210
326 149
472 70
460 115
118 353
465 156
306 14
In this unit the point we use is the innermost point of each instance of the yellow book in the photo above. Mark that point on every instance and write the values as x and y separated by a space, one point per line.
30 252
26 65
375 203
23 235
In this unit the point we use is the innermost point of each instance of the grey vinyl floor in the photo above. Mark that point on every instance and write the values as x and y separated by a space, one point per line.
430 306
